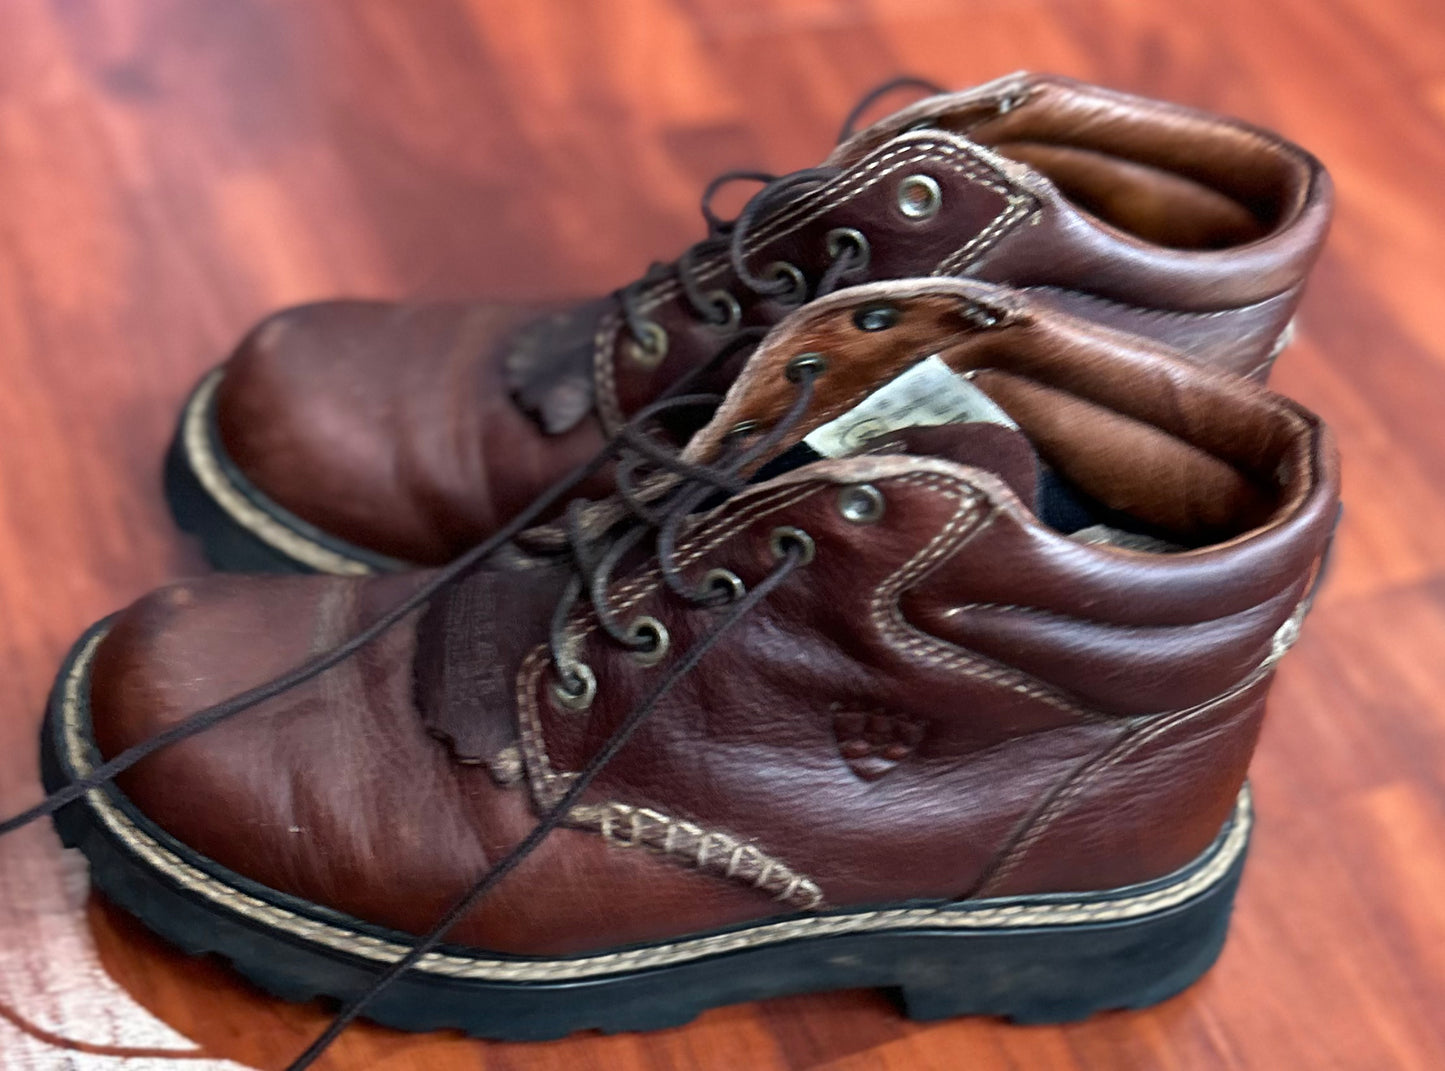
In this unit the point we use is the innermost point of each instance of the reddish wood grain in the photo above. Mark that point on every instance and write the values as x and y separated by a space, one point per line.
172 169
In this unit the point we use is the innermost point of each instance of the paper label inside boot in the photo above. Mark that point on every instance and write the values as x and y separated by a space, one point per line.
926 395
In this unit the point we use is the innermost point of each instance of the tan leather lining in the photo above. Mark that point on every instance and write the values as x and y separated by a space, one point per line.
1086 139
1140 199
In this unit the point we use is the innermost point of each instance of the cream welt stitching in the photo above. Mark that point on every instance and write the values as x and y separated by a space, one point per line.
692 845
196 442
857 180
965 916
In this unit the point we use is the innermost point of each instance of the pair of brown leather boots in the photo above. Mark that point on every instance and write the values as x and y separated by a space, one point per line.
883 593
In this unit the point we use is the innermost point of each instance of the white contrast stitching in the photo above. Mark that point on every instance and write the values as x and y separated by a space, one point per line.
1208 871
692 845
895 629
196 444
953 157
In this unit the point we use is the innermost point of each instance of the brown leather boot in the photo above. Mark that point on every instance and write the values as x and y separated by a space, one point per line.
934 663
355 437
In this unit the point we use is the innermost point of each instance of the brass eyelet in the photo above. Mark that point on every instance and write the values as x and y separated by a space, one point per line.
581 696
840 238
648 630
650 346
805 362
728 305
919 197
721 581
861 504
798 283
879 316
785 536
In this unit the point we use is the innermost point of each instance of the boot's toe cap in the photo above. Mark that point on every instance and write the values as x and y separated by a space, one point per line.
369 420
301 792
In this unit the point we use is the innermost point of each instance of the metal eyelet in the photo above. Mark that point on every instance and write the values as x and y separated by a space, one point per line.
861 504
982 316
805 362
724 582
919 197
797 282
650 347
581 696
650 639
1009 101
877 317
728 305
785 536
841 238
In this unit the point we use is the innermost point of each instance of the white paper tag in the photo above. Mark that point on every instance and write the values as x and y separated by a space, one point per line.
926 395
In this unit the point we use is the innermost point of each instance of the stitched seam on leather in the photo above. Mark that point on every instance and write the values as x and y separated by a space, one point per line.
1284 638
854 182
1117 753
604 372
1062 618
548 784
1282 343
195 440
1211 868
711 534
1018 206
709 851
1179 314
895 629
1208 870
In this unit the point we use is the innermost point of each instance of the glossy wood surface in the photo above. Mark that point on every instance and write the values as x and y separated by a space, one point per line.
170 170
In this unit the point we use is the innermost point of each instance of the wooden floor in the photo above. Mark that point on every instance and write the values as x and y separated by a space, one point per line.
172 169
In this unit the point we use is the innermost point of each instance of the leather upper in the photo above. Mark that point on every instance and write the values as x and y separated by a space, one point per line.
383 423
953 700
414 431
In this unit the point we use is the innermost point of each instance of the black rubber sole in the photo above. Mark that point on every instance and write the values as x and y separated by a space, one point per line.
226 543
1029 974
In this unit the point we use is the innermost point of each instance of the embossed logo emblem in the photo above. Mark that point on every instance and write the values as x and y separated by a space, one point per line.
871 743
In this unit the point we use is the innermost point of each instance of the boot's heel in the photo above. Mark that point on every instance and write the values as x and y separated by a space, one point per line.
1062 973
